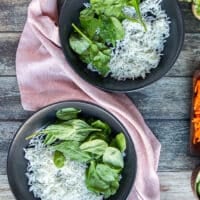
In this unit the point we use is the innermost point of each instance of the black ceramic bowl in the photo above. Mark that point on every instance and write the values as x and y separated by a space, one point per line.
16 163
70 14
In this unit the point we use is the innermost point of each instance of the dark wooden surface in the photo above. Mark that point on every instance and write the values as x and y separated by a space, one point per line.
165 104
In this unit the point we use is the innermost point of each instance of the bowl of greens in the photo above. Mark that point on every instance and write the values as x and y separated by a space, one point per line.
72 150
121 45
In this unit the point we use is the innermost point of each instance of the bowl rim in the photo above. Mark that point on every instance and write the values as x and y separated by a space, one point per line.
137 88
52 105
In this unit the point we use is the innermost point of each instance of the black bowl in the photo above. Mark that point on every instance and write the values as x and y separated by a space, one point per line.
70 14
16 163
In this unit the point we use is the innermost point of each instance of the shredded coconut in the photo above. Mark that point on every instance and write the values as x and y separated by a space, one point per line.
48 182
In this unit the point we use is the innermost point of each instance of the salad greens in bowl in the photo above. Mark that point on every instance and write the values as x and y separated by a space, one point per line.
121 45
72 150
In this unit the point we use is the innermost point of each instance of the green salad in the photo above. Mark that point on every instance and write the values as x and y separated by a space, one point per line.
90 141
100 27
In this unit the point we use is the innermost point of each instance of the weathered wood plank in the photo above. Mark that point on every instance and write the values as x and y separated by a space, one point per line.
13 15
168 98
192 25
174 138
10 106
8 47
174 185
5 192
188 61
189 58
173 135
3 160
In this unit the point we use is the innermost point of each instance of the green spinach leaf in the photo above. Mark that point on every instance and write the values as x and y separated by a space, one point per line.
58 159
102 179
99 135
106 173
75 129
119 142
70 149
95 147
113 157
102 125
97 54
136 5
89 22
78 44
67 113
93 181
111 30
112 189
108 7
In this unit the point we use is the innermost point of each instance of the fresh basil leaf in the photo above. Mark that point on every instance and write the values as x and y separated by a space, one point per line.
67 113
71 150
113 157
58 159
96 147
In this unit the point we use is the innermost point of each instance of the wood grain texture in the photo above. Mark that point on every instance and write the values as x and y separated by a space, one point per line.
192 25
8 47
174 138
5 193
176 185
173 186
168 98
189 58
188 61
13 15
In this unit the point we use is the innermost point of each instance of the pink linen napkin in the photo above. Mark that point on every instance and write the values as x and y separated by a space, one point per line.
44 78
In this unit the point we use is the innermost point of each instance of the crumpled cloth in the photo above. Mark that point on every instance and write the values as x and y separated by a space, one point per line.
44 77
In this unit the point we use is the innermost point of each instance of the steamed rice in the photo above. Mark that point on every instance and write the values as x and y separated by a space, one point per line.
140 51
48 182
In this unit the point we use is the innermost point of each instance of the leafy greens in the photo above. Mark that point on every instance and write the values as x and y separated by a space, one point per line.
100 29
87 141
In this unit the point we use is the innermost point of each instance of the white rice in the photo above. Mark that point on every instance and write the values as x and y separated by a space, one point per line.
140 51
47 182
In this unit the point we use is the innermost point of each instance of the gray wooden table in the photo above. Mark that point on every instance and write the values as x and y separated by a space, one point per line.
165 104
